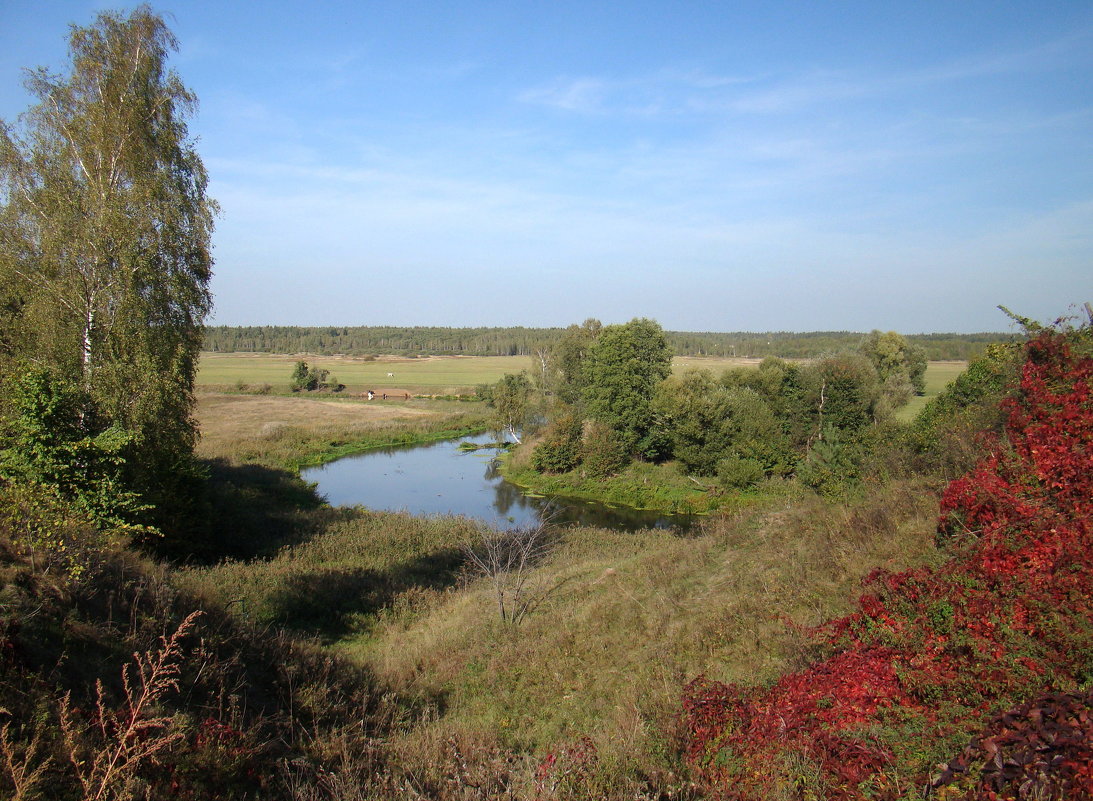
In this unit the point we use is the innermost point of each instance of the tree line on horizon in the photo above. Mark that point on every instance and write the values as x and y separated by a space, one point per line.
523 341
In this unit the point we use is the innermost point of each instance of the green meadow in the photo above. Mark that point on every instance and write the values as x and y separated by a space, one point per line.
429 375
448 375
938 376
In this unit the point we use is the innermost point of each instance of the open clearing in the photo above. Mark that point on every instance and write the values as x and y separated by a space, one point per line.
938 376
449 375
440 375
227 419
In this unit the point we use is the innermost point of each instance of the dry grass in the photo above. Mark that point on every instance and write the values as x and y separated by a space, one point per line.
627 619
293 430
227 418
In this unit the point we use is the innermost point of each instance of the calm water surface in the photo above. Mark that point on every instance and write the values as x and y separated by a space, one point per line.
440 479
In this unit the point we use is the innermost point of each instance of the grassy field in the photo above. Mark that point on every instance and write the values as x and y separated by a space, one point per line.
430 375
938 376
444 375
439 375
292 431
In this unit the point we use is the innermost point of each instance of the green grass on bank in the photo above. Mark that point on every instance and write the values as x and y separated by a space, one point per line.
641 485
620 621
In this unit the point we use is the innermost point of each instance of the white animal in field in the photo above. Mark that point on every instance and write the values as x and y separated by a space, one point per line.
390 375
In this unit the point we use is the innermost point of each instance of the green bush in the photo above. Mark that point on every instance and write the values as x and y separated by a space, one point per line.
833 464
602 452
560 450
739 472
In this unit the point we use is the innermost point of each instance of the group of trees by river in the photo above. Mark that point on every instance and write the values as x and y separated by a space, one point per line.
521 341
610 399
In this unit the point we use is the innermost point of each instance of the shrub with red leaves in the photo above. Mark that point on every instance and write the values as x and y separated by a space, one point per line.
932 654
1042 749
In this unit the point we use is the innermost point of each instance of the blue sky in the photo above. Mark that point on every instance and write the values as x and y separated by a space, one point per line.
715 166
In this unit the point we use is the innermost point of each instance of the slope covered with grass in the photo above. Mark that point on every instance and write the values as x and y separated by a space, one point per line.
996 642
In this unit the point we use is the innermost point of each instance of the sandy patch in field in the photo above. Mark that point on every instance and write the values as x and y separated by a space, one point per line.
232 417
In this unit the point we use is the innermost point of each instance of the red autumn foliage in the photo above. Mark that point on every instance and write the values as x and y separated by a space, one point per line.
932 655
1043 749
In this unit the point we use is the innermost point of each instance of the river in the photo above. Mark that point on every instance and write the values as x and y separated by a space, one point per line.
438 478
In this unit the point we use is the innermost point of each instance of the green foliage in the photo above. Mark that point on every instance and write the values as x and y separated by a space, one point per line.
895 358
54 439
833 463
948 432
511 400
773 417
708 421
739 472
624 368
602 451
843 392
316 378
560 449
569 359
694 409
105 242
982 384
299 376
312 378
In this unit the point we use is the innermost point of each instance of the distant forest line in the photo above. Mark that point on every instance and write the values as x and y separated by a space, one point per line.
520 341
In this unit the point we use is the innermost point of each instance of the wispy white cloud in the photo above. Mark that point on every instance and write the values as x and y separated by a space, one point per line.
697 91
571 94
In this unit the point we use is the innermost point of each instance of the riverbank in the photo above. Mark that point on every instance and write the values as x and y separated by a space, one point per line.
662 488
295 432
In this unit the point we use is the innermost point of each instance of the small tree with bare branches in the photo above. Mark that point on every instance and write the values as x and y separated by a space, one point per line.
508 559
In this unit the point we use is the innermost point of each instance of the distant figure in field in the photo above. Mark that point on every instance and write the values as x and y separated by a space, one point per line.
390 375
371 394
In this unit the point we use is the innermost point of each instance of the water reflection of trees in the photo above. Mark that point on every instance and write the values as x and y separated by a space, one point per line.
570 511
507 501
505 495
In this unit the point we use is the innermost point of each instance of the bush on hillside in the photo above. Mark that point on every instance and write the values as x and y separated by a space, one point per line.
933 654
738 472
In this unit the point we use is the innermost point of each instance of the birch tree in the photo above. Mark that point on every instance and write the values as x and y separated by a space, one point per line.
105 233
511 400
